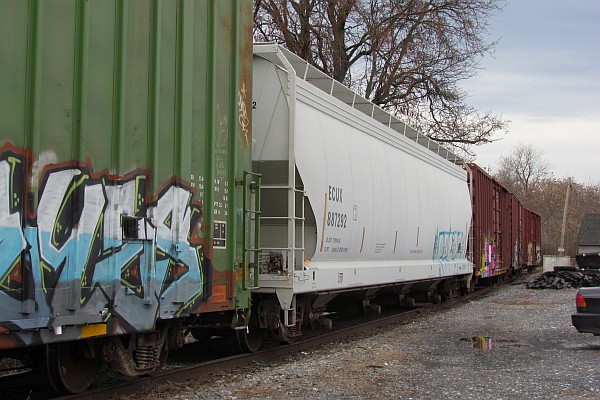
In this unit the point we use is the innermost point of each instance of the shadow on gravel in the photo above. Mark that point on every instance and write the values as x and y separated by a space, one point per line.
582 346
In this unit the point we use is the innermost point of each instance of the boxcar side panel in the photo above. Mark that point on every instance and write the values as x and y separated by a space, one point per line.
487 223
505 234
124 126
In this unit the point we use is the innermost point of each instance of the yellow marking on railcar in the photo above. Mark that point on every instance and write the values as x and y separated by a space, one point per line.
189 303
93 330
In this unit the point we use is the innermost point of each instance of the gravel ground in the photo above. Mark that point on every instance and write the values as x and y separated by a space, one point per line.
531 352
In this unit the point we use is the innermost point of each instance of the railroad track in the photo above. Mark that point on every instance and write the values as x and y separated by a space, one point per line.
180 368
344 330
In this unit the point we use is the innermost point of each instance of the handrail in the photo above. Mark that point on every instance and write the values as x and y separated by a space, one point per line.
251 185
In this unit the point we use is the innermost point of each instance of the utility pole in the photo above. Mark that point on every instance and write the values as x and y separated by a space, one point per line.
561 249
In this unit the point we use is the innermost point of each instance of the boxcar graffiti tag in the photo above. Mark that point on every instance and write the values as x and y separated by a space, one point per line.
490 260
449 245
243 118
93 240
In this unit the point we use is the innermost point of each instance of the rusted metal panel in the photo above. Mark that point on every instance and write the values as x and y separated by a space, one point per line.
505 234
531 239
511 250
486 223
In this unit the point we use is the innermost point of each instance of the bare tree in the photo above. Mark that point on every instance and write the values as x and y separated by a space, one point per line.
523 170
526 173
549 202
406 56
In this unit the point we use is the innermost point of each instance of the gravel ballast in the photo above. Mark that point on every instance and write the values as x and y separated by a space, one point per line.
513 344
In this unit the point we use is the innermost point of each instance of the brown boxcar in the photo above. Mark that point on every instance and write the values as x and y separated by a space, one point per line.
505 236
531 238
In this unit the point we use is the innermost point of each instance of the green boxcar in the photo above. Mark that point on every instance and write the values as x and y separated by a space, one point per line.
124 135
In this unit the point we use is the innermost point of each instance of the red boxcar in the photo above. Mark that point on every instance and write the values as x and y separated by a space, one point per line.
511 231
531 238
505 236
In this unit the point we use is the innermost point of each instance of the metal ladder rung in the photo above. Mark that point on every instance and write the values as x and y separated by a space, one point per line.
281 187
282 249
285 218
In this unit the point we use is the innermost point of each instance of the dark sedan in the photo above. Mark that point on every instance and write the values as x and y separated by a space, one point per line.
587 318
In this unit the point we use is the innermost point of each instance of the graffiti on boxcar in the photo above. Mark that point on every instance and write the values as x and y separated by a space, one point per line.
533 254
94 247
489 259
243 116
448 245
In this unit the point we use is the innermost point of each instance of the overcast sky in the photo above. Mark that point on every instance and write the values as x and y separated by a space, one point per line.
545 78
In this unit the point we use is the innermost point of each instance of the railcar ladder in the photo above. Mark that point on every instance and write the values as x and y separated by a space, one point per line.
295 246
251 229
281 279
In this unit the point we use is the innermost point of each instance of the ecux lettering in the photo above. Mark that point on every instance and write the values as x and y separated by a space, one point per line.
335 194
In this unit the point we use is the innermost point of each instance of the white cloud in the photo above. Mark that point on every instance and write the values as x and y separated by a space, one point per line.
570 145
544 79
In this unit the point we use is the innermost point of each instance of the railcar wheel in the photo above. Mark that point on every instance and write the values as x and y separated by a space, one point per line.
67 369
250 339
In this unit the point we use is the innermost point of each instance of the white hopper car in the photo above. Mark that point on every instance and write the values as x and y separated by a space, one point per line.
356 206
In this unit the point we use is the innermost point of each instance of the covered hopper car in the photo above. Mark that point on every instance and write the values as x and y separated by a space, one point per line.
159 176
348 202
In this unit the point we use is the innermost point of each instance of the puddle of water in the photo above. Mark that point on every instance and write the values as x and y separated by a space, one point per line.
486 343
